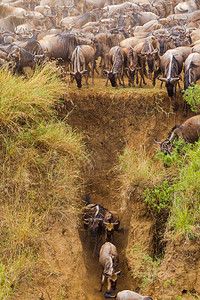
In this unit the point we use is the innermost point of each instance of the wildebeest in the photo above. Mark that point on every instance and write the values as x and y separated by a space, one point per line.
59 46
23 58
186 7
103 43
191 69
189 131
117 60
128 295
132 66
78 64
111 223
171 66
93 215
148 53
108 259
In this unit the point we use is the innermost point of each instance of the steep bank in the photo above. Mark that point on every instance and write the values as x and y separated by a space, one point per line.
111 120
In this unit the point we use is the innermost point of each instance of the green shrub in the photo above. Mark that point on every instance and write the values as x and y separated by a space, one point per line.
192 97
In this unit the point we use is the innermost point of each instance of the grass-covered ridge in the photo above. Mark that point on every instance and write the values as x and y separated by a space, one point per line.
170 185
41 158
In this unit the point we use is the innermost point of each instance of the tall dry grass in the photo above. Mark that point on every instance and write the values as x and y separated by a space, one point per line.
40 168
139 170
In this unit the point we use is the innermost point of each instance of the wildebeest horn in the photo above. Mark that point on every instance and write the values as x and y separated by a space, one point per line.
162 79
83 72
155 51
173 80
106 71
118 272
157 141
88 220
72 73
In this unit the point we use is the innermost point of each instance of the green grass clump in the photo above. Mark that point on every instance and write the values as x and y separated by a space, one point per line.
40 168
171 189
192 97
185 212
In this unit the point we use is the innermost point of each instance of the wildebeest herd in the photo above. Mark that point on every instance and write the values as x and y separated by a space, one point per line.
101 223
136 39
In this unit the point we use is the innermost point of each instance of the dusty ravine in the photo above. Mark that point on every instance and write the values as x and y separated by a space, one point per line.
109 121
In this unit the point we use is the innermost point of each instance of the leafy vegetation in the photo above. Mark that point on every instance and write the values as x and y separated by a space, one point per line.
192 97
173 195
145 268
41 158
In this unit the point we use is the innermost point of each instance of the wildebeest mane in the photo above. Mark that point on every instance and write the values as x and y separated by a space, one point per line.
176 67
176 126
189 76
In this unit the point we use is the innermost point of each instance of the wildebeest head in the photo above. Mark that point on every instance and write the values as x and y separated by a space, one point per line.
112 281
131 71
150 58
166 146
96 228
109 231
111 77
170 84
78 77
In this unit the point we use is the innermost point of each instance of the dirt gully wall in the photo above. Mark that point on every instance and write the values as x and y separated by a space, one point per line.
109 121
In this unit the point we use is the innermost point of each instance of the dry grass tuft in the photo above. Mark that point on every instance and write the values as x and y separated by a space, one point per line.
139 170
40 168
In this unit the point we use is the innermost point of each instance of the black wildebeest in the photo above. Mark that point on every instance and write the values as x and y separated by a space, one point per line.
109 259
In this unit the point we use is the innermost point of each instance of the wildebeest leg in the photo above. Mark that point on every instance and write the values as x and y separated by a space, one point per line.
141 77
92 69
86 78
137 79
180 89
118 77
155 75
122 77
106 82
102 281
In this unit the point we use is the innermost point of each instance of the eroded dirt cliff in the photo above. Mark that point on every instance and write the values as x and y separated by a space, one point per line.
110 120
